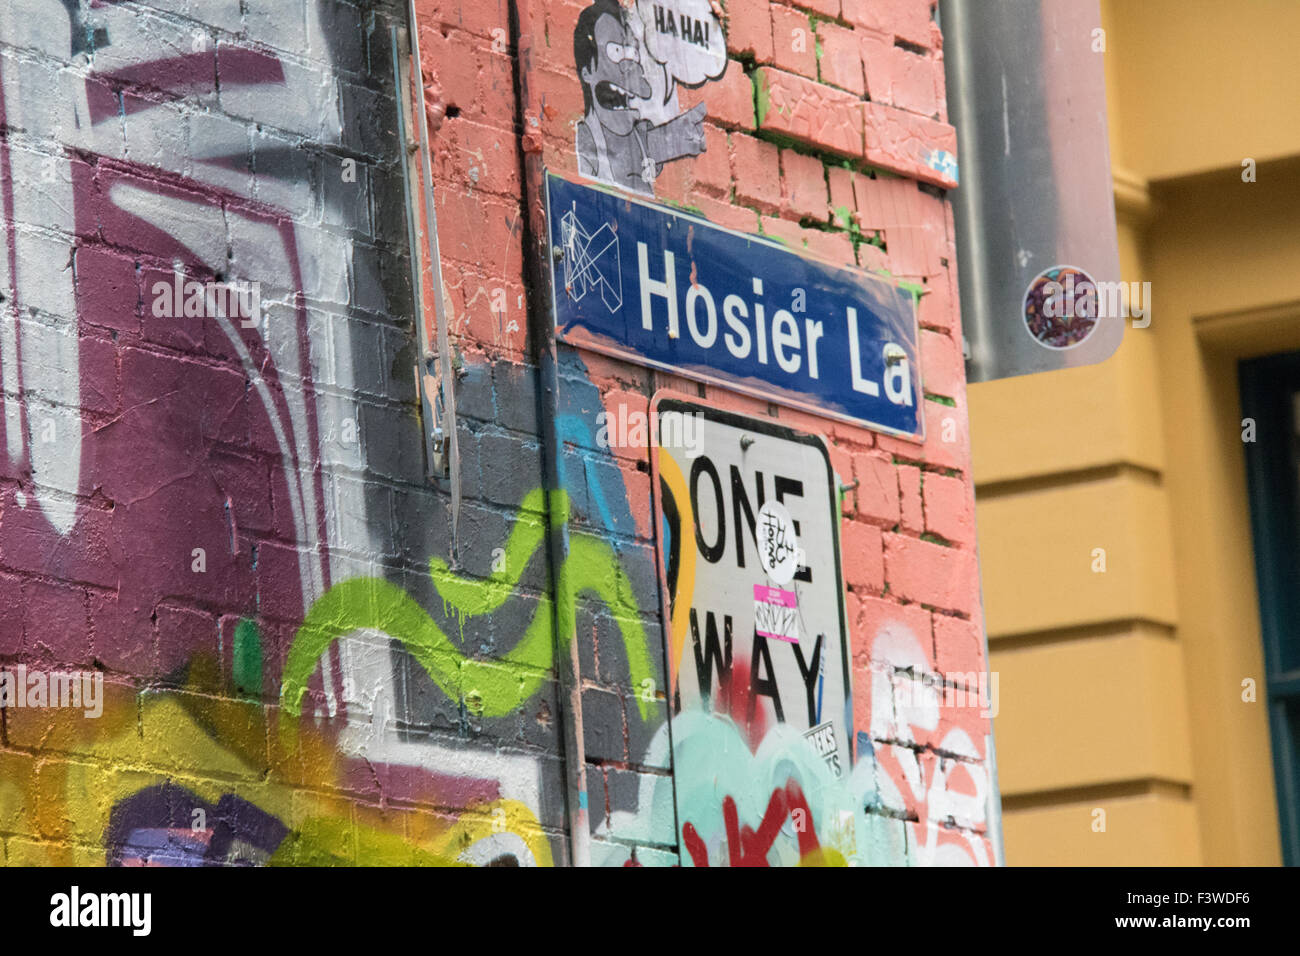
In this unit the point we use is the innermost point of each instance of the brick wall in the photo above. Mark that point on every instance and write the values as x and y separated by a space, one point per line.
229 522
827 132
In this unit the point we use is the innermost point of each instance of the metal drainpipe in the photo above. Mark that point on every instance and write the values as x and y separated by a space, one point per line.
536 245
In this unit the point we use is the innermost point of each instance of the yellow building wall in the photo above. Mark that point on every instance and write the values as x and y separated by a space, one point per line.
1204 83
1114 535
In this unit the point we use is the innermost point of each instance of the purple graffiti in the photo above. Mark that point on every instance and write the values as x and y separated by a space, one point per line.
164 469
168 825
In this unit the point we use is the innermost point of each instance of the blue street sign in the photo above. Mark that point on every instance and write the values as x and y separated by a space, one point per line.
658 287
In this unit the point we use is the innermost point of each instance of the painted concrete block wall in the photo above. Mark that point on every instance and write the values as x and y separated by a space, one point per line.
229 522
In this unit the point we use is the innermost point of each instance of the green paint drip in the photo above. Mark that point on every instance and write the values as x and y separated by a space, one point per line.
761 101
246 656
916 290
496 687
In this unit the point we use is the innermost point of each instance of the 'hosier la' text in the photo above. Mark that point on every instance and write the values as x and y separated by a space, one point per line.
793 351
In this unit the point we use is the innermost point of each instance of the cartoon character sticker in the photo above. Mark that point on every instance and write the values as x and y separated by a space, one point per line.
630 62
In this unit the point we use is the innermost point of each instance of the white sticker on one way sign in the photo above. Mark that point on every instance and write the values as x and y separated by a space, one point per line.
778 547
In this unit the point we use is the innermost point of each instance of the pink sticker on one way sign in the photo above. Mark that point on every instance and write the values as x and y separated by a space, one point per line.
776 613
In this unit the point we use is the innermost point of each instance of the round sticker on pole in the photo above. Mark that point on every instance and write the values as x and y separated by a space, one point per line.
778 550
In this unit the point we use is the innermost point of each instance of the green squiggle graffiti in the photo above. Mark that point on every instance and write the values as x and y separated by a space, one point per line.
500 686
472 597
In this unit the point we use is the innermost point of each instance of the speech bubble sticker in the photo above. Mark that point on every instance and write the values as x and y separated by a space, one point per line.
661 105
686 37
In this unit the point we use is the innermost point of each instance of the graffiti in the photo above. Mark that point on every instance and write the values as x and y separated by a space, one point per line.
202 473
767 636
761 782
216 797
502 833
789 809
776 805
931 768
212 496
496 687
631 125
180 474
749 847
168 825
199 479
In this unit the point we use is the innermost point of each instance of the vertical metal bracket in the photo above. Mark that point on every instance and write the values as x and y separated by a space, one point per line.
434 372
427 384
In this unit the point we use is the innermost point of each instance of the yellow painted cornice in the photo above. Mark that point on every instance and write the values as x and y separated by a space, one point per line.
1132 196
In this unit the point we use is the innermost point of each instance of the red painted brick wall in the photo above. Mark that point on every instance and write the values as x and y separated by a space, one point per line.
258 141
828 132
